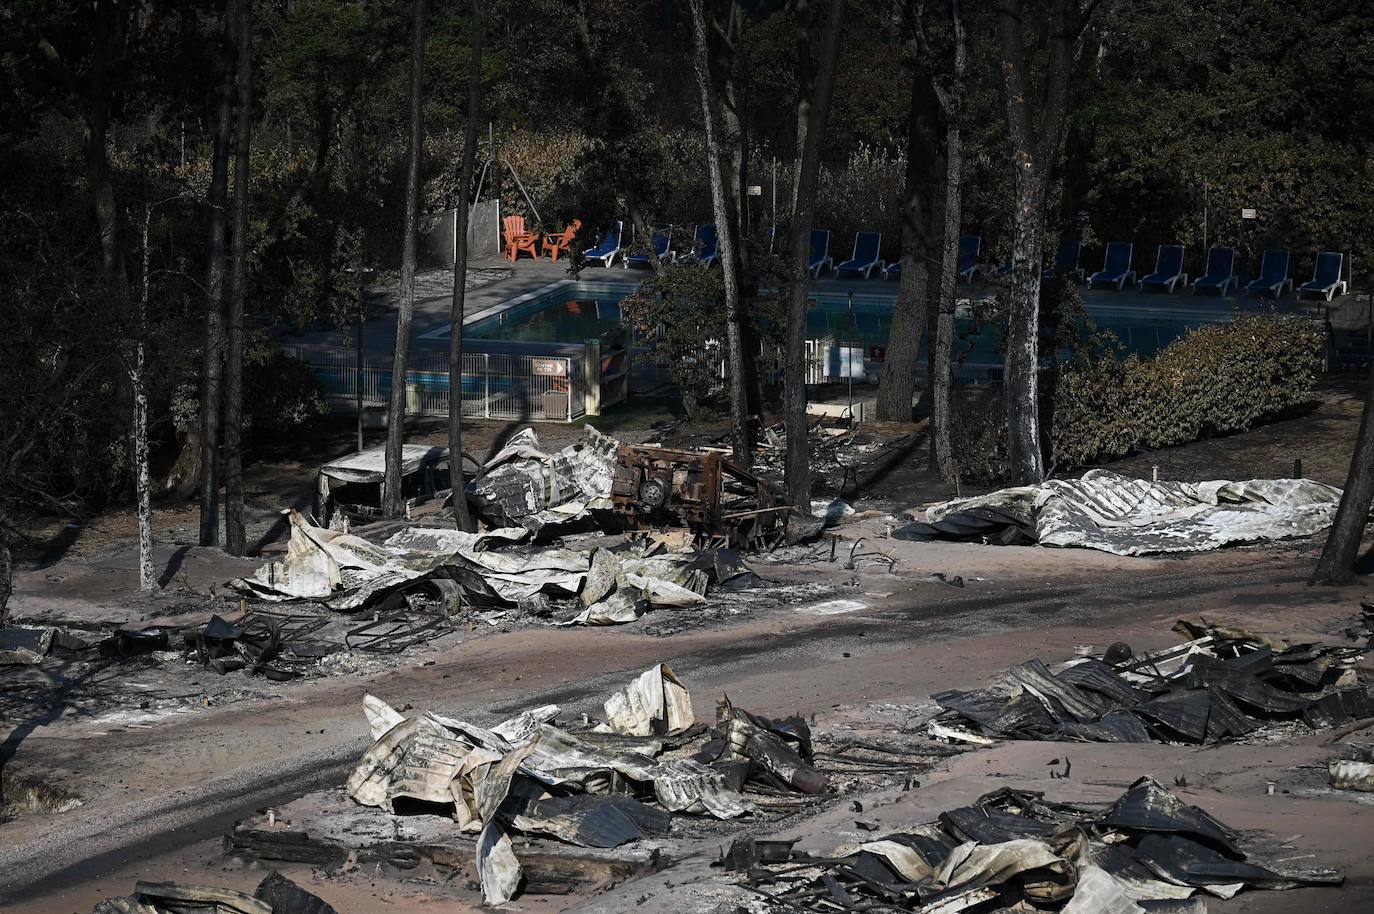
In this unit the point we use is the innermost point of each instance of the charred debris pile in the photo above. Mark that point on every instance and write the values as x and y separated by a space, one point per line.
1220 684
1016 851
597 533
682 520
535 801
274 895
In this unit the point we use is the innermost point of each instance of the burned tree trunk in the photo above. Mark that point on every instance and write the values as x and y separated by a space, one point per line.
461 517
942 346
235 532
1337 562
726 244
115 275
1020 378
392 502
212 358
1036 126
897 386
816 111
6 579
143 489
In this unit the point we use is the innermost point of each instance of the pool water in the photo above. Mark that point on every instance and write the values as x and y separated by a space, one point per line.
576 312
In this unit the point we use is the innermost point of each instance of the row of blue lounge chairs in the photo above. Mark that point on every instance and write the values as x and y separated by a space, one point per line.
1168 275
1220 272
863 261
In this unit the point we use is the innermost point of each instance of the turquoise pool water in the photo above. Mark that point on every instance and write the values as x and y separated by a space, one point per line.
577 312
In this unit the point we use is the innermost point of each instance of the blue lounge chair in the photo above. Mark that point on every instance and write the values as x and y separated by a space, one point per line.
609 247
865 257
1065 260
705 246
1116 266
663 247
820 252
1326 276
970 246
1220 273
1168 272
1273 276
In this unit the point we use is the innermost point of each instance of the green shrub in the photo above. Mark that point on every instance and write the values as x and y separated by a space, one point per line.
1215 380
281 395
677 314
978 434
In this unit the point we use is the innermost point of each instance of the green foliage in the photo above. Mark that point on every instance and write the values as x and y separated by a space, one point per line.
865 194
1218 106
978 435
1216 380
677 313
280 394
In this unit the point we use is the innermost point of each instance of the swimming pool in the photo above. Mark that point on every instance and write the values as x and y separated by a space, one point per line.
571 312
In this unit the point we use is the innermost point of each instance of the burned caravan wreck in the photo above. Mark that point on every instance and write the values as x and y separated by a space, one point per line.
349 490
625 486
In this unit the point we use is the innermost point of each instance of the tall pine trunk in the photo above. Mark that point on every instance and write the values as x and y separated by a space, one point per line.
6 579
392 502
143 488
1036 116
726 238
461 517
235 531
212 358
814 111
1337 562
942 349
897 386
1020 377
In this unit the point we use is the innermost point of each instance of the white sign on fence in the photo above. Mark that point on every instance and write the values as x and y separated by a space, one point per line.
1248 213
549 367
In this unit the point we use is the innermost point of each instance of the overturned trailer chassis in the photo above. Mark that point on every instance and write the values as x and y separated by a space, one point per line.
703 491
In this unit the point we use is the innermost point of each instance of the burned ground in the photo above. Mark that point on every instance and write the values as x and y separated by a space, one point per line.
165 756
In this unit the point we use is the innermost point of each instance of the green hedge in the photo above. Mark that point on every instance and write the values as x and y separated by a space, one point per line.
1215 380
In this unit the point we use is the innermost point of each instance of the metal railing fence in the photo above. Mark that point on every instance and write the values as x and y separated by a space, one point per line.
493 386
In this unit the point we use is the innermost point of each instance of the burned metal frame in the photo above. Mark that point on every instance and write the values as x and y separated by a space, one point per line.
392 633
704 491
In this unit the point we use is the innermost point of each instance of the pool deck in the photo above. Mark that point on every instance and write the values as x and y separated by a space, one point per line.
505 282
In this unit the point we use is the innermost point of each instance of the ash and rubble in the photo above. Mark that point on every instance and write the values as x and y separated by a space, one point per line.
547 801
1220 684
274 895
598 533
528 498
586 799
1016 850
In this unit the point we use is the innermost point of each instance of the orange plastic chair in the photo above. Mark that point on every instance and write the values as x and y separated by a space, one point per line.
556 244
518 239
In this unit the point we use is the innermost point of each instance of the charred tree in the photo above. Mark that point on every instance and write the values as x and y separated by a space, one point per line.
942 340
212 357
136 365
897 386
1036 112
1337 562
461 517
813 109
726 238
392 502
6 579
235 532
